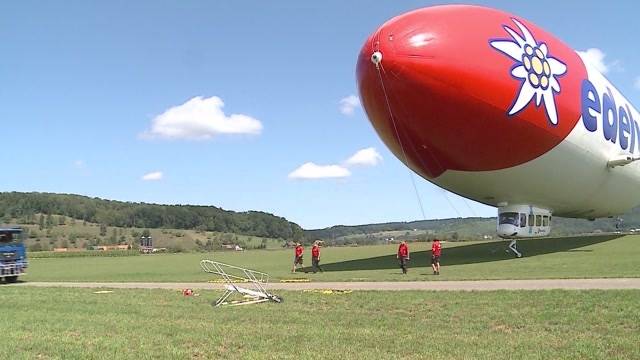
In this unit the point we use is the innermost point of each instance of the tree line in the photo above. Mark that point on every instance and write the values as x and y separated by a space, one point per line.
24 206
472 228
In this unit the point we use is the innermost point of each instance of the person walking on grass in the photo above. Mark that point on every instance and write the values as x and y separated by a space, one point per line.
297 257
403 256
436 251
315 257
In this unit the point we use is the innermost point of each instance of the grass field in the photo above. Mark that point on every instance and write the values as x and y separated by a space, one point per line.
575 257
160 324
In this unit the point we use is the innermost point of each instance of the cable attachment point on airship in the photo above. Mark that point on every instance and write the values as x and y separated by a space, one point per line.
376 58
621 161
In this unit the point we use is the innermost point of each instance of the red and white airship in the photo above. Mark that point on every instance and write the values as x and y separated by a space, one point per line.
491 107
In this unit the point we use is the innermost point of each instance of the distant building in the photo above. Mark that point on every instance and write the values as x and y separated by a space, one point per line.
66 249
111 247
146 244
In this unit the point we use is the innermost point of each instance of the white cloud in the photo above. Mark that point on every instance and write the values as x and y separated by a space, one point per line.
616 66
79 164
152 176
637 83
366 157
596 57
313 171
349 104
200 119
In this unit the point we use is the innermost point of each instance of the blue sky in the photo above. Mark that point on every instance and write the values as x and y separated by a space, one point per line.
85 90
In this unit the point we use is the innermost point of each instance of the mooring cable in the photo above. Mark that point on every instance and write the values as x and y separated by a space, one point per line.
379 69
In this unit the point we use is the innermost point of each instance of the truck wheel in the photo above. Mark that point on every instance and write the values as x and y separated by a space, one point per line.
11 279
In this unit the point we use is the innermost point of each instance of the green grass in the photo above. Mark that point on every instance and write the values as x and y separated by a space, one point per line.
576 257
41 323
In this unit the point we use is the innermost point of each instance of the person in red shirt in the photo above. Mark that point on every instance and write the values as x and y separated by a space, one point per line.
297 258
315 257
403 256
436 251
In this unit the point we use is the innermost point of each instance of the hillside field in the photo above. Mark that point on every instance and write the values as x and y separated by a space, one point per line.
571 257
79 234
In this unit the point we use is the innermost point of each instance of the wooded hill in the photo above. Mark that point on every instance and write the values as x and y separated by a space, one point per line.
475 228
24 207
29 208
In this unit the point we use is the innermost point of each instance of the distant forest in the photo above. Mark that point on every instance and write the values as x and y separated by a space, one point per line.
25 206
471 228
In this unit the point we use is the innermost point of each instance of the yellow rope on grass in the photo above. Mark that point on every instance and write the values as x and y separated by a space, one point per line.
330 291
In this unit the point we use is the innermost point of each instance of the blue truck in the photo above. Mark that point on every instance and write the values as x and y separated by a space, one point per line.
13 256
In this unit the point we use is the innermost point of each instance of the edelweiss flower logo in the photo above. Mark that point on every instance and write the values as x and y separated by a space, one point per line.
535 67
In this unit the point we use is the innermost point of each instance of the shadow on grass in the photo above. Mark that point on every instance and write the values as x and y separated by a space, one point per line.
4 282
475 253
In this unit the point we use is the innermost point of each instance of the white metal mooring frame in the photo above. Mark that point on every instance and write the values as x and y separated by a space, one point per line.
232 275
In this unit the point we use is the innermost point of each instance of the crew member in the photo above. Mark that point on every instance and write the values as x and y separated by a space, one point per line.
297 257
403 256
436 251
315 257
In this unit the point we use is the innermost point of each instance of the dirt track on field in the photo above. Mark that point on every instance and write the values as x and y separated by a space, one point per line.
482 285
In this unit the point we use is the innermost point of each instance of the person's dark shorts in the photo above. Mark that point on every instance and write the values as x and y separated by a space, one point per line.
435 259
297 260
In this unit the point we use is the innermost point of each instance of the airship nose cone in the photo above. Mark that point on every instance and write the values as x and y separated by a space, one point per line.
382 79
439 94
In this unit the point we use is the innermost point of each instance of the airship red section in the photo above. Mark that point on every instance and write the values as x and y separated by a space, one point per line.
468 88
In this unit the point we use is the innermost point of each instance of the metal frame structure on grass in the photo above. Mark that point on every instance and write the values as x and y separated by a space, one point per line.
232 275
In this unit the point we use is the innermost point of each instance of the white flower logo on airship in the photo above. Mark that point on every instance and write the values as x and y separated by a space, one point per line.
535 67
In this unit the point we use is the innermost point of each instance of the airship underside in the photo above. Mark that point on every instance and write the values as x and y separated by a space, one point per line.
491 107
